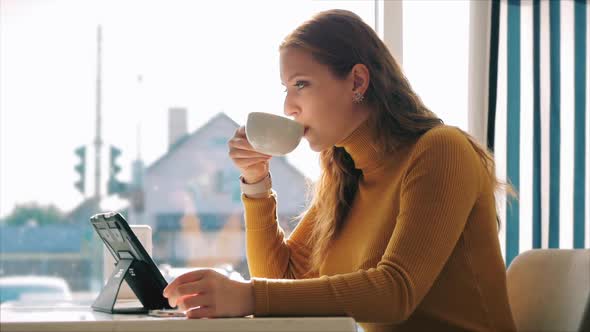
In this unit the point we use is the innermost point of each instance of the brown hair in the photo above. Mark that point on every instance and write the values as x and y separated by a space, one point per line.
340 39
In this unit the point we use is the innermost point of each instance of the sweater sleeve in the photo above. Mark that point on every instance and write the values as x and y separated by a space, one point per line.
439 189
269 254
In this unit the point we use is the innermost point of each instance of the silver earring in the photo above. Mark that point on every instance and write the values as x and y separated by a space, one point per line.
357 97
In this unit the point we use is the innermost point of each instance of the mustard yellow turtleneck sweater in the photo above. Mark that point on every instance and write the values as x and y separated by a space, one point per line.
419 250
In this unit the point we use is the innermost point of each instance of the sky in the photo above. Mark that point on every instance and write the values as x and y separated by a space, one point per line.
207 56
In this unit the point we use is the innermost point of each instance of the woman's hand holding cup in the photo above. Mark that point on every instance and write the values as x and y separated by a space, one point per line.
264 135
253 165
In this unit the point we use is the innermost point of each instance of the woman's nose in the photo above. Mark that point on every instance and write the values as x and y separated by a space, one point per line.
290 109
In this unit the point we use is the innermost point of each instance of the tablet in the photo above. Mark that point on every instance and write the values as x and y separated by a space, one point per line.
144 234
133 264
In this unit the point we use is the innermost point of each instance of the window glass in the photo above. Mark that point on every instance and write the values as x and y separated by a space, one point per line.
176 80
436 55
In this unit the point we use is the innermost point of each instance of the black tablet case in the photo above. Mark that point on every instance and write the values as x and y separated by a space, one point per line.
132 264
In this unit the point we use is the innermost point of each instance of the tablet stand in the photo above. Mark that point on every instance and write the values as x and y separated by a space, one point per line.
134 265
105 301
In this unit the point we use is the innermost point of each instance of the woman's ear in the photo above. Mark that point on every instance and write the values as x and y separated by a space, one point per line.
361 77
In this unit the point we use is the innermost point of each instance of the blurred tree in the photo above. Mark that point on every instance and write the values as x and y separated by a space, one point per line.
34 214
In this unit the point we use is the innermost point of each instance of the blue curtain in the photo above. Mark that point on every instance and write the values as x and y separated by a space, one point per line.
540 43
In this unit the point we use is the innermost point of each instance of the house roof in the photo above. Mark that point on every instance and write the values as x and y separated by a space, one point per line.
181 141
221 116
84 210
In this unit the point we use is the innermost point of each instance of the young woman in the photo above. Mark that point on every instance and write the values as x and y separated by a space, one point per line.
401 233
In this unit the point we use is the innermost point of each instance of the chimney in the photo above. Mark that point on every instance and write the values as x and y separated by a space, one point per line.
177 125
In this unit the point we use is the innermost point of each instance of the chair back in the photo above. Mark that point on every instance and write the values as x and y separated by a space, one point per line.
549 290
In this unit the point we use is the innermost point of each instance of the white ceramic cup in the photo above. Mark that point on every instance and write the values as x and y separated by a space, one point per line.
272 134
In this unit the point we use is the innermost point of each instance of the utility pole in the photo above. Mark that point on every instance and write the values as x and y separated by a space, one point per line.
98 138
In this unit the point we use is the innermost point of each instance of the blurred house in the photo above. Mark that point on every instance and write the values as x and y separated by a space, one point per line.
191 196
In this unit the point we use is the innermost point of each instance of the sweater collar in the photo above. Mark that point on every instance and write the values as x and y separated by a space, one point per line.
361 147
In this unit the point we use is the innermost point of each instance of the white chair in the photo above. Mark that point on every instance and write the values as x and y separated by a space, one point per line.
549 290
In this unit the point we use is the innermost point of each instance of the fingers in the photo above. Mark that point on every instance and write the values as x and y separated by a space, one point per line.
240 136
183 279
240 143
240 132
236 153
201 312
246 157
184 290
193 301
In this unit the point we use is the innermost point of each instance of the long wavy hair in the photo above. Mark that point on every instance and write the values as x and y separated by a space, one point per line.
340 39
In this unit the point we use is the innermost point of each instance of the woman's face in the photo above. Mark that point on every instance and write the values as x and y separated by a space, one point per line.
318 100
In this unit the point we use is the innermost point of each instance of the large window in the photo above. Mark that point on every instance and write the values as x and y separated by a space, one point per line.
177 78
435 60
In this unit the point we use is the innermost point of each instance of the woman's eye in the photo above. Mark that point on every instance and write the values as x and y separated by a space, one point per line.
300 85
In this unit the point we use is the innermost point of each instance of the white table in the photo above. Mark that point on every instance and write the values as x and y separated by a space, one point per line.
83 318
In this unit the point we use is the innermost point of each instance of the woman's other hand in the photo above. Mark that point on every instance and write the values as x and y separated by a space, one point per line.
253 165
206 293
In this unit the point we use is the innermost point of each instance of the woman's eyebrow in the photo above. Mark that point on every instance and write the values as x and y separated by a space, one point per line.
293 76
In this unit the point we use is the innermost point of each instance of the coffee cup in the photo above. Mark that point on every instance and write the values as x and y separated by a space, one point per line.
272 134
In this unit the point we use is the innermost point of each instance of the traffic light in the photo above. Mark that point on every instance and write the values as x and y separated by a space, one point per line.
81 169
114 169
114 185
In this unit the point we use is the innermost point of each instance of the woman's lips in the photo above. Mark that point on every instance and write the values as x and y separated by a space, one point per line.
305 131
